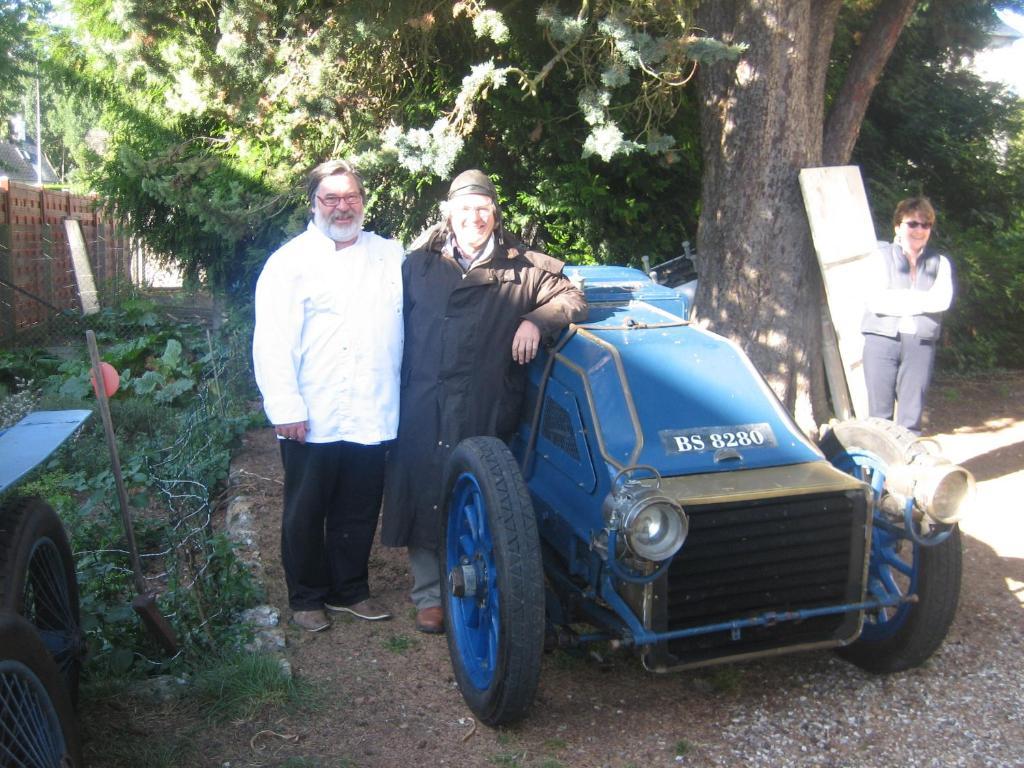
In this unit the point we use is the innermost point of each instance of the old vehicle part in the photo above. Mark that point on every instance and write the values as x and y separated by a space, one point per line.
144 603
31 441
940 490
906 560
653 526
492 581
636 415
37 582
37 720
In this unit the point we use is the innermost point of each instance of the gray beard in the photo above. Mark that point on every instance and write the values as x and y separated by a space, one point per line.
339 233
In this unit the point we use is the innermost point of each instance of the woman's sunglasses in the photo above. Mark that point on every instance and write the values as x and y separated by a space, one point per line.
916 224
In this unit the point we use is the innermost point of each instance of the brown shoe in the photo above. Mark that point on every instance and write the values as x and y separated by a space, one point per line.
430 620
365 609
311 621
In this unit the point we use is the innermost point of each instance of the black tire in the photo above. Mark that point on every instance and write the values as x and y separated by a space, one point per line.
496 634
37 721
37 582
904 637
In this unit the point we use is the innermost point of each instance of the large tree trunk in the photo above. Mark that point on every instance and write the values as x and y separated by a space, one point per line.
761 122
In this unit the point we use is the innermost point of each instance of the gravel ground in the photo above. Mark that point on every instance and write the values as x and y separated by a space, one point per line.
391 700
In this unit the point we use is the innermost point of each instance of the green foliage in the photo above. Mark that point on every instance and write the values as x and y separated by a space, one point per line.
934 128
239 686
18 23
984 326
197 124
22 365
183 403
209 119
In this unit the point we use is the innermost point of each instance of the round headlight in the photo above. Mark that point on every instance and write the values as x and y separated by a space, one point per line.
655 528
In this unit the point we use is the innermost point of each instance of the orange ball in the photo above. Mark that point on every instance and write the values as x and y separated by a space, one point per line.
111 379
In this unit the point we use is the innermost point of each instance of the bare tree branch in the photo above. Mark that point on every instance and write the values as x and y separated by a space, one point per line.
844 120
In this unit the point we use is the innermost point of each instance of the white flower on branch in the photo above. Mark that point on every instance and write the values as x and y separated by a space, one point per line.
616 75
594 105
490 24
563 29
658 143
421 151
606 141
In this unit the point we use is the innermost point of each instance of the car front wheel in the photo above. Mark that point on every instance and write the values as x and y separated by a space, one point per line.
926 576
492 581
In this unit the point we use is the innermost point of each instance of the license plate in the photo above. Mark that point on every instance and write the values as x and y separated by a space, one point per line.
703 439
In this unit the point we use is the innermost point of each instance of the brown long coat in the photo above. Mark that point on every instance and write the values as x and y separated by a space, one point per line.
458 376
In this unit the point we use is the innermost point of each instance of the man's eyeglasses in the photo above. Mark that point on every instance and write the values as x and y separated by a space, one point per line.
484 212
916 224
333 201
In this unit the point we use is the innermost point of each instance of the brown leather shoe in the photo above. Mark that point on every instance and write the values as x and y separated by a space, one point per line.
430 620
311 621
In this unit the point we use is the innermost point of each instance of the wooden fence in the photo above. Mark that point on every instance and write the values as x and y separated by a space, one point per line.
37 275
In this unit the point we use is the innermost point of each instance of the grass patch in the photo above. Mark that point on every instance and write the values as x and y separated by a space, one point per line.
554 745
120 729
726 679
399 643
240 685
682 747
510 759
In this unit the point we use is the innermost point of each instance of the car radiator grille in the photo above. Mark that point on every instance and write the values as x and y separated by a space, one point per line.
744 559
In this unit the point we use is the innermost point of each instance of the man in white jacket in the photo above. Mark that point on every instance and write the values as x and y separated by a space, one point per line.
327 352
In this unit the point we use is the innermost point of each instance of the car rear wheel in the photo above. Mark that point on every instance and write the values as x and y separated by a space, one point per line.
492 581
37 582
902 636
37 721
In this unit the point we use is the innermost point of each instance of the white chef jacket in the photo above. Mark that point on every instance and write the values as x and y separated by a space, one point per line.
327 347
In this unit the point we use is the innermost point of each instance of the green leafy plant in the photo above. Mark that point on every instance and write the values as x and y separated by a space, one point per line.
175 434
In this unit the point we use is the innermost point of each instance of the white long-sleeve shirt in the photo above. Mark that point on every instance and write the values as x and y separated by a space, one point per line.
327 347
905 303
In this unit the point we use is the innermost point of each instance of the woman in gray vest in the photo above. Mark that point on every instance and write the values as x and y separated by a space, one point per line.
903 316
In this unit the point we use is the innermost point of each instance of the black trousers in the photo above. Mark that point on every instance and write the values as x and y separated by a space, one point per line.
898 372
332 495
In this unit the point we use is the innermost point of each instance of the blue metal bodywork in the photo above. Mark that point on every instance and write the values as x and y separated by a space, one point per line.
638 385
29 442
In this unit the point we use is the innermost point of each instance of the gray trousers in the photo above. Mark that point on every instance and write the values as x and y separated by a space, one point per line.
897 373
426 577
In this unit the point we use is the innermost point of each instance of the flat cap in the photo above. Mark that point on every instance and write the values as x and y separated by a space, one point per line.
472 182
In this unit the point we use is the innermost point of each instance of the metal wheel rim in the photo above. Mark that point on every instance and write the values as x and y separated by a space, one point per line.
474 620
48 606
893 570
30 730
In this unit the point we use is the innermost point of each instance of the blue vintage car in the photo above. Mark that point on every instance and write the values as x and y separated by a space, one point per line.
659 498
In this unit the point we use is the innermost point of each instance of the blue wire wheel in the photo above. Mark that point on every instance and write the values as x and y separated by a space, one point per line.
37 721
37 582
894 567
492 581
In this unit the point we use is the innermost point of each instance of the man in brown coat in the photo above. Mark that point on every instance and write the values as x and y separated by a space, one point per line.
477 306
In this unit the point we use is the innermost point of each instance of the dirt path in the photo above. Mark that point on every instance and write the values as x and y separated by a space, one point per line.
391 699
